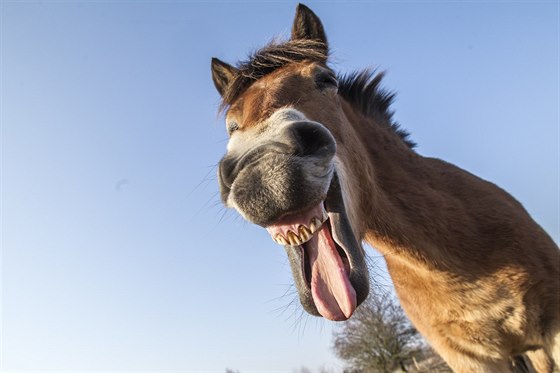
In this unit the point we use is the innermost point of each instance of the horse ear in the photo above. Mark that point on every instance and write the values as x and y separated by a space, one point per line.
222 75
307 25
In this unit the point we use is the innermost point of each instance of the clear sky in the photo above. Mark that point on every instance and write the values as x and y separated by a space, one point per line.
116 252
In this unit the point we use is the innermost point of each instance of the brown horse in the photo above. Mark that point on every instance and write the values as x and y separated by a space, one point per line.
316 159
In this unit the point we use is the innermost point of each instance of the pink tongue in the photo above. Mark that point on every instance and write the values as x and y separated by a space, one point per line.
333 294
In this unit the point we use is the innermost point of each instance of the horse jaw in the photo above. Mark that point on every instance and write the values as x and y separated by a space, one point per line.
328 266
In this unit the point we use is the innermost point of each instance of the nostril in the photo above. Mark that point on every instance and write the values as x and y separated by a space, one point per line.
312 139
225 172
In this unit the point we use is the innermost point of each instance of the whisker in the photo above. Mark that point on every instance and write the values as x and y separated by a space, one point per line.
224 214
206 179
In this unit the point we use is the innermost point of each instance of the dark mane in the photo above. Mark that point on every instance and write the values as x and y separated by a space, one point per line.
361 89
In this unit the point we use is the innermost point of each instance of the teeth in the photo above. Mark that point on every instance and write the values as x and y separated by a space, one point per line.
314 225
280 239
304 233
294 239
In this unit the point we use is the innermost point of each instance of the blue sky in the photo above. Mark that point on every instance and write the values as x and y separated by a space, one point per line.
116 252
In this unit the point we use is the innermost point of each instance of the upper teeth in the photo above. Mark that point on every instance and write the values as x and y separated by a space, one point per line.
303 234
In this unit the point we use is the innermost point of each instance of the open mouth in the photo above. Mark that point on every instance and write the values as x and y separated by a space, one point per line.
323 244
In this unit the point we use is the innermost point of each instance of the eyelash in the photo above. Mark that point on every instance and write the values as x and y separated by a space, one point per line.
232 127
325 79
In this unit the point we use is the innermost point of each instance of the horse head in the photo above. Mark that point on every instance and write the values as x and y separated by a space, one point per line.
287 160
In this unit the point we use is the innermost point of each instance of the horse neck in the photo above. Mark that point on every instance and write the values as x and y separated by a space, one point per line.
395 198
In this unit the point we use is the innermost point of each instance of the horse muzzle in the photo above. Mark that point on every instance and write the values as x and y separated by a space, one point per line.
285 169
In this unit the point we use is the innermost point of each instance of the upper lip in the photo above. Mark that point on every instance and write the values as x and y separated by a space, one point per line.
230 166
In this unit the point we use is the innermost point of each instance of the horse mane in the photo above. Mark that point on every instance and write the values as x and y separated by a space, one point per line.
361 89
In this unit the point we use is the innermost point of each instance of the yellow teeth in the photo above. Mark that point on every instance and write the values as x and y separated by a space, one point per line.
304 233
314 225
281 240
294 239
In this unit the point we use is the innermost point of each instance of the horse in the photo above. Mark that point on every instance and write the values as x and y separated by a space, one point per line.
317 159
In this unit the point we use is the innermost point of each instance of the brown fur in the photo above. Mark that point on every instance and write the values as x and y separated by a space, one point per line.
476 275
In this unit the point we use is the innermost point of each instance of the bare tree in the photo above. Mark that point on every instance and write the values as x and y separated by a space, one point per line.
378 337
304 369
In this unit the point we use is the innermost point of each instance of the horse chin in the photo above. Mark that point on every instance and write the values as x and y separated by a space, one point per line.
327 262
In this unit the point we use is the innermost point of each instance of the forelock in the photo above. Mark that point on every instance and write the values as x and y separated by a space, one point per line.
270 58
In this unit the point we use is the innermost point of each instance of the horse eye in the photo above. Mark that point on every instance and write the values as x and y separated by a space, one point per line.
232 127
326 79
